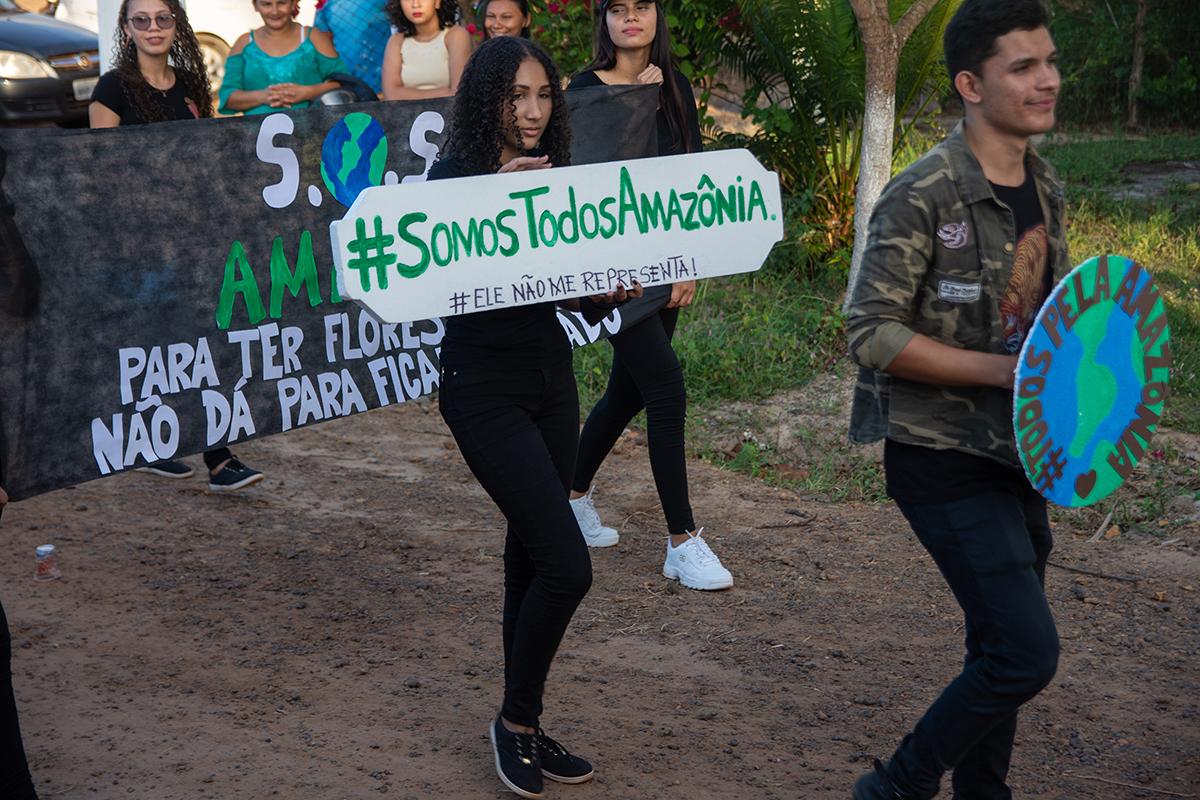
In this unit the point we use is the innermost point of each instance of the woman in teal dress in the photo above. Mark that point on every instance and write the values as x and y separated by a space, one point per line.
283 64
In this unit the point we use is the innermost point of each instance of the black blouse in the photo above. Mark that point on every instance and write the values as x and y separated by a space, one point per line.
692 122
503 338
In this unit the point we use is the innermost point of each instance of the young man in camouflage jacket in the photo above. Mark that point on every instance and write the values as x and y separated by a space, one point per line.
964 246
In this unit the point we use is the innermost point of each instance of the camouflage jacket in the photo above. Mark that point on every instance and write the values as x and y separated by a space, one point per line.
939 256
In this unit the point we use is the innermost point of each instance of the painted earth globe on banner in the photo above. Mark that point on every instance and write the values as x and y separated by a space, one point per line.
1092 381
353 157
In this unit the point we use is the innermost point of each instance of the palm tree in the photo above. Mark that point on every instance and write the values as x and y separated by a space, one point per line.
805 64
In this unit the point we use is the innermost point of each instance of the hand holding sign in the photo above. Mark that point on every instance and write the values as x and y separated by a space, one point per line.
534 235
526 164
1091 381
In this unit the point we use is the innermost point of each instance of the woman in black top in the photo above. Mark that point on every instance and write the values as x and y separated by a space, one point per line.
159 73
159 77
634 47
508 395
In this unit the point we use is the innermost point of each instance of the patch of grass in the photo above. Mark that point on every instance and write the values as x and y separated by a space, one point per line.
749 336
1162 233
745 337
1097 164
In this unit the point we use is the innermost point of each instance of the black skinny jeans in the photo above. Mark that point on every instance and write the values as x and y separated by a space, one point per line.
992 550
645 374
15 782
518 432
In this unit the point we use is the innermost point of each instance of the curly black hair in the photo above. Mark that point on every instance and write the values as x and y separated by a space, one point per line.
483 106
448 15
186 59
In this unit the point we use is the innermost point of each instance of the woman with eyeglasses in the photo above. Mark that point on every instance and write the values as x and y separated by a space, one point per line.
159 74
426 55
504 18
159 77
283 64
508 396
633 46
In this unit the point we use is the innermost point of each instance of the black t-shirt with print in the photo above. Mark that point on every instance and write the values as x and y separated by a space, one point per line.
918 474
111 92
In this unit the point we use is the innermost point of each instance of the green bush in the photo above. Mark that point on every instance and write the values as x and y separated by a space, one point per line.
804 65
1095 42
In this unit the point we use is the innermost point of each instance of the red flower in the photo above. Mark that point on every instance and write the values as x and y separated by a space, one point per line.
471 29
554 8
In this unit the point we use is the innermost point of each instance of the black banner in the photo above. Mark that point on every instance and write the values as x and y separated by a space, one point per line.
168 289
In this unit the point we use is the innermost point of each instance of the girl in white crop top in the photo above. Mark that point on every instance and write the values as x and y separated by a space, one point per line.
426 55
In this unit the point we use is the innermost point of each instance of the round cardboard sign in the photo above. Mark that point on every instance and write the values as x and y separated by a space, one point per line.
1091 381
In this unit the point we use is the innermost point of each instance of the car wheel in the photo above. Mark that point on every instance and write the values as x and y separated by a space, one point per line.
215 51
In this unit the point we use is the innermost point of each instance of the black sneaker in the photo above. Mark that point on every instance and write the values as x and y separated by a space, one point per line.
876 785
558 764
169 469
517 761
233 476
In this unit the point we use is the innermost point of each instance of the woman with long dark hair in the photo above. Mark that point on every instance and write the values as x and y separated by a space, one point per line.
633 46
426 55
159 76
503 18
508 395
158 73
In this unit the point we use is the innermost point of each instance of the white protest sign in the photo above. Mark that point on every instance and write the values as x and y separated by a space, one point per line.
415 251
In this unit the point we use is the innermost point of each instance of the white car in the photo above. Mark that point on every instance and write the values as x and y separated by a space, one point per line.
217 23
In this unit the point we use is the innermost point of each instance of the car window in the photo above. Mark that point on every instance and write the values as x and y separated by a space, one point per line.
8 5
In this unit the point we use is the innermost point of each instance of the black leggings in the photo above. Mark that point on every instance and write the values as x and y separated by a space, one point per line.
517 430
645 374
15 783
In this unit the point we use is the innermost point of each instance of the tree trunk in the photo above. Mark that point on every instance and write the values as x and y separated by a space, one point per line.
1139 58
879 124
882 43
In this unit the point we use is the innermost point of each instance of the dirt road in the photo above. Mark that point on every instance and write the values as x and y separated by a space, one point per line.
334 634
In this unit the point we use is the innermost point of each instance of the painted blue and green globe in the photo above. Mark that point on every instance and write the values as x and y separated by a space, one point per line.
353 157
1092 381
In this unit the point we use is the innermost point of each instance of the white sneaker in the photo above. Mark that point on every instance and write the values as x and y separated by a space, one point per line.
595 534
695 565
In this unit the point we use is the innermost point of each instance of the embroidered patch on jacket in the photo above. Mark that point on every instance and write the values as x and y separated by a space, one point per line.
953 235
953 292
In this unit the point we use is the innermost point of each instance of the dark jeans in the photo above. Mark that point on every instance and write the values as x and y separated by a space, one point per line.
214 457
645 374
15 783
992 550
518 432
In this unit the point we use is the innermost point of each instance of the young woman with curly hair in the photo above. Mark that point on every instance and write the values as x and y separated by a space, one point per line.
508 395
426 54
634 47
159 73
159 77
